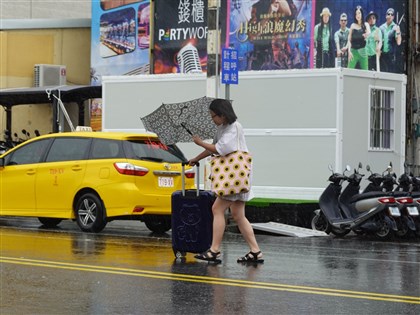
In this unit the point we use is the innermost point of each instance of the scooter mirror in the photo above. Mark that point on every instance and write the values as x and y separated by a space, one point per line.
360 165
330 167
368 168
348 168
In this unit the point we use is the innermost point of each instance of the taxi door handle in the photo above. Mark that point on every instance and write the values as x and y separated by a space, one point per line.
76 168
31 171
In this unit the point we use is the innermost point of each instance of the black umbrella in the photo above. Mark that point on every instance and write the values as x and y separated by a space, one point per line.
177 122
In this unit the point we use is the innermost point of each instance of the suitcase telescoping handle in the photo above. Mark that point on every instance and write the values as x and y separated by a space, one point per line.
183 178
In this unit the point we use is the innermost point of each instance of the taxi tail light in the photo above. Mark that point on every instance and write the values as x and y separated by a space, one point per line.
387 200
190 173
138 209
130 169
405 200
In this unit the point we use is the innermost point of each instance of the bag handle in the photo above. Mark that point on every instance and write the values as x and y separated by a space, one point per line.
237 137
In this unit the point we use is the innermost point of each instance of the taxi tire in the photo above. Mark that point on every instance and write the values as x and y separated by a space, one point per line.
158 224
90 213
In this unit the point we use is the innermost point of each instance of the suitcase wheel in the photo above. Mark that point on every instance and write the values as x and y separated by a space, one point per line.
179 254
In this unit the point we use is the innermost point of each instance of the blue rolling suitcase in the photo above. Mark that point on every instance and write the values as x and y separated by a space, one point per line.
192 219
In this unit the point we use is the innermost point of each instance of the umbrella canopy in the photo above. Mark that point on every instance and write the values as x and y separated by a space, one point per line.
177 122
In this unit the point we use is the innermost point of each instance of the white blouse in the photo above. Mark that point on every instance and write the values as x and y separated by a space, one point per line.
230 138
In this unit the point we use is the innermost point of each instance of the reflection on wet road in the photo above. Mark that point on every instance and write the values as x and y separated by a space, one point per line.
70 272
210 280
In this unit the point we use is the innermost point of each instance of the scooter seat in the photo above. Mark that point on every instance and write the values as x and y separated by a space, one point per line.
372 194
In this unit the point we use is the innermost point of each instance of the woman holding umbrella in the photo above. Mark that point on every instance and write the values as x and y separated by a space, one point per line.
229 138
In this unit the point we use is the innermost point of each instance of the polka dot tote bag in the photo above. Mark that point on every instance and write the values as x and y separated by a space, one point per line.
230 174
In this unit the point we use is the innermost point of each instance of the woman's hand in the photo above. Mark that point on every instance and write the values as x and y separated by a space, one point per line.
193 161
198 141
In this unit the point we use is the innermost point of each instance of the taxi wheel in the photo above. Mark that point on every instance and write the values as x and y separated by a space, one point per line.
158 224
49 222
90 213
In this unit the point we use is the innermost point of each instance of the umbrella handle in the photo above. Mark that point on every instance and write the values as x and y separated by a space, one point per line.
183 126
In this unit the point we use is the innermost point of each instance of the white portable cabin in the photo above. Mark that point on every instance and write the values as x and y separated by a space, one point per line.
296 122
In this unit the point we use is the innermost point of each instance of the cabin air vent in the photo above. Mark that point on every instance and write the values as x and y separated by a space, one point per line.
49 75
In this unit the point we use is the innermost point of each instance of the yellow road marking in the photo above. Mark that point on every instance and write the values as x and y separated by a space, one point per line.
212 280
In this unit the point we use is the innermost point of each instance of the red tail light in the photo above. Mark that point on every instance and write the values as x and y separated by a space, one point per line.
190 173
138 209
387 200
405 200
130 169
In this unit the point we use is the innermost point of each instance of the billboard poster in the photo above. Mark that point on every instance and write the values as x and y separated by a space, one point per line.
268 35
271 34
180 36
384 49
120 38
299 34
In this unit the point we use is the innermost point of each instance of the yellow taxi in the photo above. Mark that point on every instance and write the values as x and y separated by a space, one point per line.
93 178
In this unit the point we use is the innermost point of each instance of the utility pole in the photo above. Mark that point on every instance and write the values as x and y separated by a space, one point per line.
213 48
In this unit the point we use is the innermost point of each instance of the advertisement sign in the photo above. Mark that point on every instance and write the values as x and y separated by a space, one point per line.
180 36
299 34
267 34
384 49
120 38
271 35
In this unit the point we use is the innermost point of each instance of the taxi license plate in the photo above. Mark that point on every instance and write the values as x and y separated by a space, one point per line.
166 181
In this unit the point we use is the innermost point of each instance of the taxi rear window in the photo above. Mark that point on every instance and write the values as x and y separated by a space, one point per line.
153 150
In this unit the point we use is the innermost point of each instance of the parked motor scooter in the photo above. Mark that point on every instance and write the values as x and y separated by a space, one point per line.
8 143
405 197
416 191
401 190
343 211
380 182
3 147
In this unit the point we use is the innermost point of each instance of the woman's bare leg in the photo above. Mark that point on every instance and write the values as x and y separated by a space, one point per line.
238 213
219 223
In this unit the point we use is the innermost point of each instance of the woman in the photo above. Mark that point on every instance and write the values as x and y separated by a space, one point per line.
229 138
359 32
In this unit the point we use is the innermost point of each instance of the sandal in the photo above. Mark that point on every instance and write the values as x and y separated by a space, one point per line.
251 257
209 256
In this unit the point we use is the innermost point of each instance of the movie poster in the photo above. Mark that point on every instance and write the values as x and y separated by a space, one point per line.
120 38
384 49
300 34
271 34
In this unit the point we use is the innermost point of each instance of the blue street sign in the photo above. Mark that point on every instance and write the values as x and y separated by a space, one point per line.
229 66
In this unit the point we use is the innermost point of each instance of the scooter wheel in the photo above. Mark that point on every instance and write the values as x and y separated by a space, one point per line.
339 232
385 232
320 223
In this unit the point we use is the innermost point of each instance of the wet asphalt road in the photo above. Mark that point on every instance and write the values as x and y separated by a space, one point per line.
127 270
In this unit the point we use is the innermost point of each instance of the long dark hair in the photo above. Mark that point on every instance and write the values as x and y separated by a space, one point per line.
321 29
363 26
222 107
